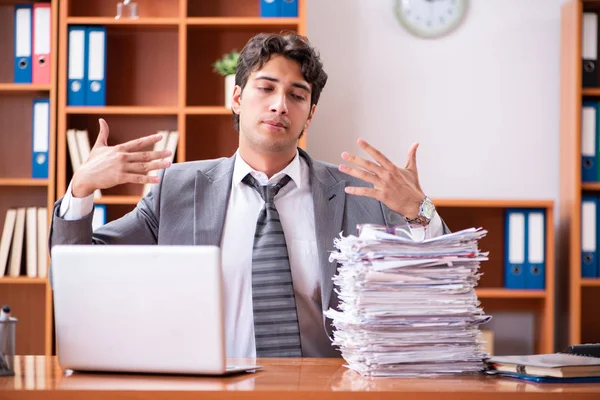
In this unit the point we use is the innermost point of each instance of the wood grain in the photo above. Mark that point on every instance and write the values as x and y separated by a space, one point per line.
291 379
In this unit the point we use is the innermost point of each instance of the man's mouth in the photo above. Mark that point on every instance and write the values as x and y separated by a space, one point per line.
275 124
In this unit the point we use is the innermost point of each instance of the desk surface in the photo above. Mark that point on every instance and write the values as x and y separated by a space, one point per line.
39 377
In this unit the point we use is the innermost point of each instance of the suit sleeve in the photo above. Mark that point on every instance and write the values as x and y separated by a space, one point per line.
140 226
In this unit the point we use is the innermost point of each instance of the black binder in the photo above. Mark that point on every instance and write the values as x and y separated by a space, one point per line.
589 50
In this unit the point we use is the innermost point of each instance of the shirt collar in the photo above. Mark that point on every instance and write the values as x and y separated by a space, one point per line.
241 169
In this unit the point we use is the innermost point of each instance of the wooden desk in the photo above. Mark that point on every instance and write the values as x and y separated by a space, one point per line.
288 379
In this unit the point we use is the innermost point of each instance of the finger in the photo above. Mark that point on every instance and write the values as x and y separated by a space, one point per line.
146 156
102 139
363 163
143 168
363 191
139 144
411 162
376 154
360 174
137 178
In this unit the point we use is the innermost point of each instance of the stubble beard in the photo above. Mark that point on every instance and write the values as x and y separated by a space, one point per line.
268 145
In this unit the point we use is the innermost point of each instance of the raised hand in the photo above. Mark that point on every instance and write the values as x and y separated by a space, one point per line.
398 188
109 166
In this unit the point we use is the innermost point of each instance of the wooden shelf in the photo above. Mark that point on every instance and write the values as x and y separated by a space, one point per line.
583 326
147 22
591 186
23 182
492 203
118 199
590 91
590 282
20 87
23 280
246 22
124 110
216 110
501 293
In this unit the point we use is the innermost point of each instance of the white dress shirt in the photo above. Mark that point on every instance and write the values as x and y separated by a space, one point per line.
294 203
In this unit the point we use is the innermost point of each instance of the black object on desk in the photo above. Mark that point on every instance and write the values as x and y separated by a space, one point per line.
586 350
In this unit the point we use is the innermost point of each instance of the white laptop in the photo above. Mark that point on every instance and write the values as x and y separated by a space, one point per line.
145 309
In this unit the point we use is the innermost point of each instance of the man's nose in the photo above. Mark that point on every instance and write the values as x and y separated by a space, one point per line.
279 104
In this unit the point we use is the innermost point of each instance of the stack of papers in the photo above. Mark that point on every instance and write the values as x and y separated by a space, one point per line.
408 307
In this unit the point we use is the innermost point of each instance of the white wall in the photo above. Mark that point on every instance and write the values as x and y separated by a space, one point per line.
482 102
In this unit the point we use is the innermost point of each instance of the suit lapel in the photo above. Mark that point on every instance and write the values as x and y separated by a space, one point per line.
329 214
212 190
329 202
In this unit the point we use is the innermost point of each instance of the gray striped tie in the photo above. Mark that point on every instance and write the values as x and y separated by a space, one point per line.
275 317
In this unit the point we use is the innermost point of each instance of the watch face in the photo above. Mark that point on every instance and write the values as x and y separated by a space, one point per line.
430 18
428 209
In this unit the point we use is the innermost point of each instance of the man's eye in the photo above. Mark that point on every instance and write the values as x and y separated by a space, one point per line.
297 96
264 89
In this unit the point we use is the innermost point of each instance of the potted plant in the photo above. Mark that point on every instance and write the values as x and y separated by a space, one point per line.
226 66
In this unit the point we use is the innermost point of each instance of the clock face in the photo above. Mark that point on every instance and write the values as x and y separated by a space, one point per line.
430 18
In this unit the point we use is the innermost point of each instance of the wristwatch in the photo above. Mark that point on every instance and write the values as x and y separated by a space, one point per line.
426 213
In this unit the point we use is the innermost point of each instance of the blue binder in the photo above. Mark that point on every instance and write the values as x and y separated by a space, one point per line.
515 256
288 8
589 141
23 43
41 138
95 94
77 63
589 237
269 8
535 267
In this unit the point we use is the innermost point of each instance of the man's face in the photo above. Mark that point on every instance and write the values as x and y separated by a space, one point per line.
274 107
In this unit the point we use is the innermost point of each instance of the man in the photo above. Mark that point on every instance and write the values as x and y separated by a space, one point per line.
272 209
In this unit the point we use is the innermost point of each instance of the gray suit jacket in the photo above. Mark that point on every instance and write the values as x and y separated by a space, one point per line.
188 207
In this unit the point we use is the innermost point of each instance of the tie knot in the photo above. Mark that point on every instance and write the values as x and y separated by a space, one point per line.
267 192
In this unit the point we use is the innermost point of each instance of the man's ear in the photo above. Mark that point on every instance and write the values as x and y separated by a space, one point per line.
237 97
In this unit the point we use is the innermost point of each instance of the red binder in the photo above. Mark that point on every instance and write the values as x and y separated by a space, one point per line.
42 39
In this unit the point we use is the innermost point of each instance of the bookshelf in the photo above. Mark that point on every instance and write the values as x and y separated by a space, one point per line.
584 325
159 77
490 215
30 298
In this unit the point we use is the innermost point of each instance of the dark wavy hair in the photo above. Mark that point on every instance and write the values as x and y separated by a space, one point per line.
259 49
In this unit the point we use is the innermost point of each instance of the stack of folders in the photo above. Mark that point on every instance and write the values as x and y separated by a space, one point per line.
590 267
525 246
87 66
409 307
33 45
25 231
557 367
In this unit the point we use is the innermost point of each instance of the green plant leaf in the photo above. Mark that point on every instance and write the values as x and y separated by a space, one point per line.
227 64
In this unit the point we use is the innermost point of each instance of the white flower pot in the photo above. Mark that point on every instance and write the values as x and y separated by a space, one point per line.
229 86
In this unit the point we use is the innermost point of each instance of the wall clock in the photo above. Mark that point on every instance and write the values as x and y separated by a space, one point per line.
430 18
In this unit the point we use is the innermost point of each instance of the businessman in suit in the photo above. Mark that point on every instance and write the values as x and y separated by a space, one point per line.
224 202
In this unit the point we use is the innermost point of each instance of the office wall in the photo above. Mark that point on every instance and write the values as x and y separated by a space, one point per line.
483 102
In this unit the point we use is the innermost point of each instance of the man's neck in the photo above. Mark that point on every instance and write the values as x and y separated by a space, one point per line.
270 163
